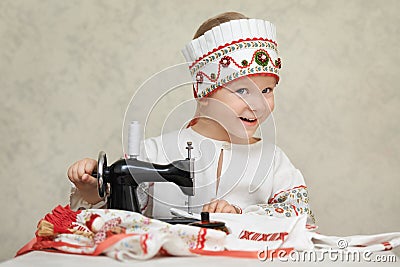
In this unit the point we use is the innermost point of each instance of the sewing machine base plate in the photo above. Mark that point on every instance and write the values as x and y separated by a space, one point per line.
178 220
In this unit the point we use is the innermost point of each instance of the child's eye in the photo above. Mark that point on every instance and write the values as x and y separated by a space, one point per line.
267 90
242 91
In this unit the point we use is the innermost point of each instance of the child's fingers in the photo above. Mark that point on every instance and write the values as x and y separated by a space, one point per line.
81 168
69 174
88 179
229 209
77 171
213 205
86 166
208 207
205 208
74 172
90 166
221 204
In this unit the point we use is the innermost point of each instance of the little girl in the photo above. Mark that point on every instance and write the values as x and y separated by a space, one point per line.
235 68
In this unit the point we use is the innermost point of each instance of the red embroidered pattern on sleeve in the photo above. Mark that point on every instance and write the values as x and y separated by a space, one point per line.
276 197
288 203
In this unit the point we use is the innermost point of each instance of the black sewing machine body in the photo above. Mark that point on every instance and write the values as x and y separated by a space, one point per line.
125 175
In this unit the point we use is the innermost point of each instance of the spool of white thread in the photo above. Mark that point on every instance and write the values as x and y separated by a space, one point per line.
134 138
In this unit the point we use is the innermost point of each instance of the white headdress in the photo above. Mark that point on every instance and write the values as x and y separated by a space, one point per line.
232 50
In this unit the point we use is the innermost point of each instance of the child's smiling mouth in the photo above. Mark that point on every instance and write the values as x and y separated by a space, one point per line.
248 121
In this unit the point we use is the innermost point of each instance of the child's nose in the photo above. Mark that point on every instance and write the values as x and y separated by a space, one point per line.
255 103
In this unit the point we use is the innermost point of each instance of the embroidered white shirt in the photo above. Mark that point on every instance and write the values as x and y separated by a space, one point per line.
259 178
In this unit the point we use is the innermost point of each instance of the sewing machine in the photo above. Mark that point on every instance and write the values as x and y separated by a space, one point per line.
125 175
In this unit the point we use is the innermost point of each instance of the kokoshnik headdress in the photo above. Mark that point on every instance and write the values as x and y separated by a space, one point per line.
232 50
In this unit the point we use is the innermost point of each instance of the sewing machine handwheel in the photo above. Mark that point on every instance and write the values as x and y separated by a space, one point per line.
101 166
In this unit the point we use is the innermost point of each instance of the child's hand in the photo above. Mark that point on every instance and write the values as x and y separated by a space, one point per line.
220 206
80 174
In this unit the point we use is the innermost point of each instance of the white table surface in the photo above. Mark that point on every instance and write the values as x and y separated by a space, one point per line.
43 259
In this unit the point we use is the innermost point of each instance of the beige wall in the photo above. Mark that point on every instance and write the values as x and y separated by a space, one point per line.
67 67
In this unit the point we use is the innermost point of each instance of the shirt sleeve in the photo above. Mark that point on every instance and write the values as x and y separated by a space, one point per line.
77 202
289 193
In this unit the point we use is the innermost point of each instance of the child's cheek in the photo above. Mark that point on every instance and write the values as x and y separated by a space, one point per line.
270 104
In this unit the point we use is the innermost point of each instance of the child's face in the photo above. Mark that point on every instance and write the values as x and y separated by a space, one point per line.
243 105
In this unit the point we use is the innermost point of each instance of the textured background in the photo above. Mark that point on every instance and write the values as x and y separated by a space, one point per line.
69 68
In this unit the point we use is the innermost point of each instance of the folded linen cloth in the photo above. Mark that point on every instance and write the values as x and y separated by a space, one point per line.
126 235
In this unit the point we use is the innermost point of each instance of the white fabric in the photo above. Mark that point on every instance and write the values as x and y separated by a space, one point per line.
371 243
298 237
248 231
128 235
139 237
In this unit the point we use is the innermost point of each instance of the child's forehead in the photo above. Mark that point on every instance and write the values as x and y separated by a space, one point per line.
253 81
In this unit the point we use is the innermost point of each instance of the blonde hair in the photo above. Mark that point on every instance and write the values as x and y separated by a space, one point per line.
217 20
